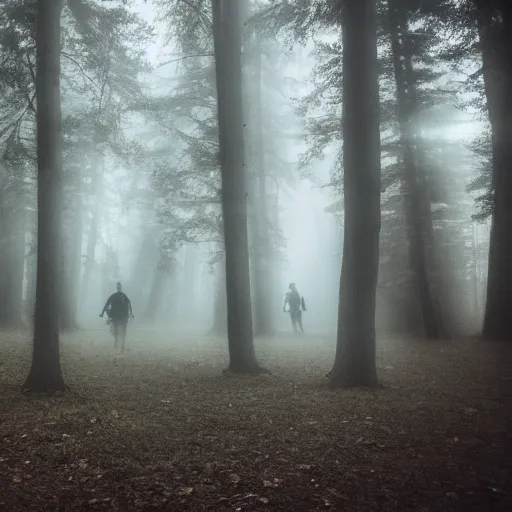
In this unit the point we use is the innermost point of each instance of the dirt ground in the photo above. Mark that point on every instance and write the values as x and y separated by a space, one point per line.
163 429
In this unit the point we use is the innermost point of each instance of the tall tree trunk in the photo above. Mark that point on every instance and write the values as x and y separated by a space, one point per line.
92 236
12 254
31 275
262 250
220 327
474 271
72 266
188 294
13 225
496 44
227 45
354 364
414 201
45 373
160 277
17 268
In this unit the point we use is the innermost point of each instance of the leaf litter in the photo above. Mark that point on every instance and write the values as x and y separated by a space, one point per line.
420 443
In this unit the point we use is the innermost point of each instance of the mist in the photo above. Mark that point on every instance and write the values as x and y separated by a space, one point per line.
255 255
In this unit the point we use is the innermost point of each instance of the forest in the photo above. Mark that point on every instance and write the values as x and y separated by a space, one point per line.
254 255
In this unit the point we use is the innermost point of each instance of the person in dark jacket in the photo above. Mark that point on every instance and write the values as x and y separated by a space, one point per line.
295 305
118 308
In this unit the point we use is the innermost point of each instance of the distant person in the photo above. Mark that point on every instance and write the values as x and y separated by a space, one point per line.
295 305
118 308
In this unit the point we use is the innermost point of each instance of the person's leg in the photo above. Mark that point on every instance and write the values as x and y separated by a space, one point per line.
124 326
115 326
294 320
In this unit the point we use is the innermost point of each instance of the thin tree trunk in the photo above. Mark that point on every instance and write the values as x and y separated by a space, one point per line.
496 43
220 313
13 224
45 373
355 364
158 285
72 256
31 274
474 272
227 44
414 202
92 236
188 288
262 252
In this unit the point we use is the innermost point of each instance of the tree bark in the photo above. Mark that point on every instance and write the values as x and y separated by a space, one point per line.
160 277
227 47
354 364
220 313
261 251
12 256
92 236
496 44
72 266
414 200
45 373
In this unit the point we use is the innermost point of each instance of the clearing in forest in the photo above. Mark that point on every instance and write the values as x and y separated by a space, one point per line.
163 429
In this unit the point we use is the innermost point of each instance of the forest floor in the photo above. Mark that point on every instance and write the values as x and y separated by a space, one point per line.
162 429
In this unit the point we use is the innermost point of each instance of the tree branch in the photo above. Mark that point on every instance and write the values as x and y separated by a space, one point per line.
64 54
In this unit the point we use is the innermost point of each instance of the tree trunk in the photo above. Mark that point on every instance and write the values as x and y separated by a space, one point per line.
158 284
72 266
45 373
227 46
414 201
220 313
496 44
261 251
31 275
354 364
188 294
12 255
92 237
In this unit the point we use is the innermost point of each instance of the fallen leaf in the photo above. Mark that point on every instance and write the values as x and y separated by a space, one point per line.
16 479
234 478
186 491
267 483
264 500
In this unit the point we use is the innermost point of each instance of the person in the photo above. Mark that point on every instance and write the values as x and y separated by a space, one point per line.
118 308
294 302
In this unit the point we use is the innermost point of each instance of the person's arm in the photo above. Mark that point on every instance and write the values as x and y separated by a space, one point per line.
107 304
129 305
303 304
286 301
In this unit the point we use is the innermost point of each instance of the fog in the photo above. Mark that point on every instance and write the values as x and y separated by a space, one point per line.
167 258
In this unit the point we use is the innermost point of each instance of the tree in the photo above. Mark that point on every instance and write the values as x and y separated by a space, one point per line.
417 208
354 363
494 20
228 66
255 149
45 373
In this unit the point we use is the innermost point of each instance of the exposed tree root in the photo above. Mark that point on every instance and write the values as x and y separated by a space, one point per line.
38 383
341 380
246 369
